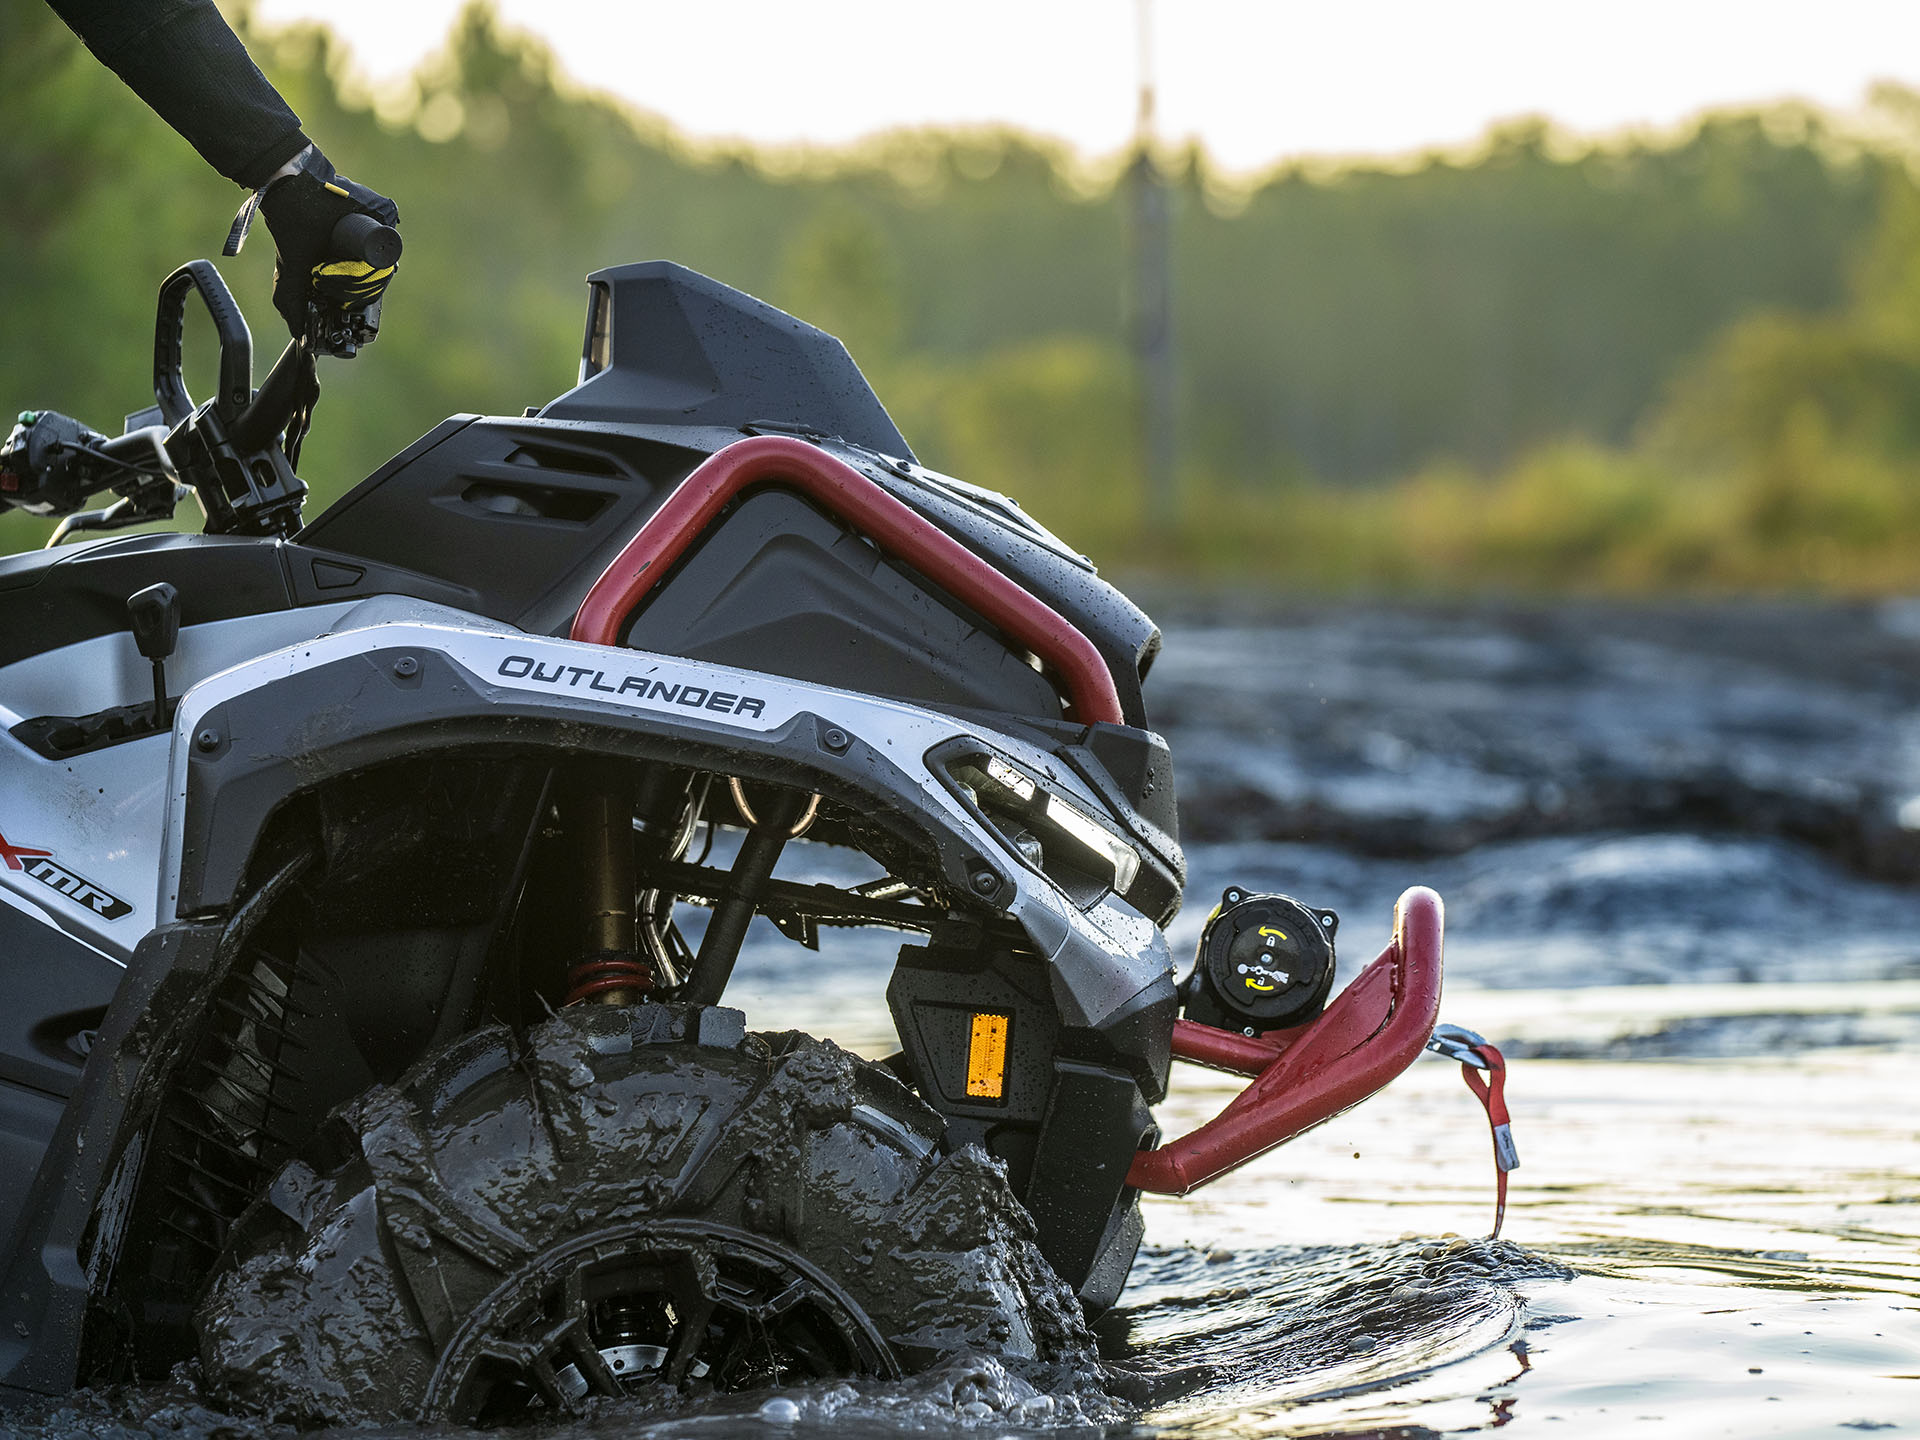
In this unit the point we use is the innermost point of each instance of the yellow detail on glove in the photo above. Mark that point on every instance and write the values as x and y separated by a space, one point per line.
350 282
352 270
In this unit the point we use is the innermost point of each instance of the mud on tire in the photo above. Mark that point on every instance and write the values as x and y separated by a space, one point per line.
628 1196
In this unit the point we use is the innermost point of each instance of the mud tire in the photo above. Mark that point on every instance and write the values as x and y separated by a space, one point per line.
407 1269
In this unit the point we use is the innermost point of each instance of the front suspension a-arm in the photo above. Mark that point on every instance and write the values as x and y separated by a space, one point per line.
1375 1029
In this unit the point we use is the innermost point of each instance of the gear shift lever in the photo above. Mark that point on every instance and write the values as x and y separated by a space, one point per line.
155 616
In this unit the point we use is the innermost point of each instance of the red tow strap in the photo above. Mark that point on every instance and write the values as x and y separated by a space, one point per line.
1456 1042
1491 1093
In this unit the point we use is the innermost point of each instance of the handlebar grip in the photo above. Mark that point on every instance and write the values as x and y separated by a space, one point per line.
236 343
363 238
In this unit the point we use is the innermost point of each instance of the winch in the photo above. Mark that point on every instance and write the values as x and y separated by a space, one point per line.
1265 962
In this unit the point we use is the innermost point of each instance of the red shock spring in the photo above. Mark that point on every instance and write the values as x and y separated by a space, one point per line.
594 978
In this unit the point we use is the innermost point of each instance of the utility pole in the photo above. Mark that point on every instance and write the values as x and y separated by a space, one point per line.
1152 306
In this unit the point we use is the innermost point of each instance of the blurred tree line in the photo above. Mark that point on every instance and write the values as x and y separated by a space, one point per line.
1683 361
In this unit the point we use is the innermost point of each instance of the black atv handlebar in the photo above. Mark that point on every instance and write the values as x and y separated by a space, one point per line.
169 329
238 451
280 394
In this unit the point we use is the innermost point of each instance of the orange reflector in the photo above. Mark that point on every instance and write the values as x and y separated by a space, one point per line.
987 1058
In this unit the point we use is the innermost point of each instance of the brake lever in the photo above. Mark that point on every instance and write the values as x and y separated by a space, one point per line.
156 502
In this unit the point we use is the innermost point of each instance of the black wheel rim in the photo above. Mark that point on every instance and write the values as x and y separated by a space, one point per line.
675 1303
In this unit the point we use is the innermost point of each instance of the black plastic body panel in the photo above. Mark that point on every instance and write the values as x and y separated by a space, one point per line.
53 598
777 586
934 993
1074 1103
1126 639
50 978
682 349
523 514
1141 767
1078 1194
28 1119
57 992
43 1302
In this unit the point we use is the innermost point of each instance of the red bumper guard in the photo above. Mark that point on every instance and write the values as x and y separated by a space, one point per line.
1375 1028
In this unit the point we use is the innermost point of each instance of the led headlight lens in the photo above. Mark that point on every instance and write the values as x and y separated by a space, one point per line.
1095 839
1042 827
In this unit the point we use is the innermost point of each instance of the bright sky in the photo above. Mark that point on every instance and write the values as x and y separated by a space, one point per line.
1255 80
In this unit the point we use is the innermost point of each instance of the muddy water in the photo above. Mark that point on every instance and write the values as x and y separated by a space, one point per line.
1680 886
1719 1201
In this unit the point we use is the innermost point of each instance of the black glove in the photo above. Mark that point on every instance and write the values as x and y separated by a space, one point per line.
301 210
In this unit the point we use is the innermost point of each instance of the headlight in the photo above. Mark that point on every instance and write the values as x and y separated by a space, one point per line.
1095 840
1043 828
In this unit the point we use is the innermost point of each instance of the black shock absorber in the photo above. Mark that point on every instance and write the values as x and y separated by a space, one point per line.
600 812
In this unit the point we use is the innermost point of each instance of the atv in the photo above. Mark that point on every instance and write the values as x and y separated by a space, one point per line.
364 1042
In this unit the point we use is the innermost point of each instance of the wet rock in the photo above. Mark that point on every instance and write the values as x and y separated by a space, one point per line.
1394 732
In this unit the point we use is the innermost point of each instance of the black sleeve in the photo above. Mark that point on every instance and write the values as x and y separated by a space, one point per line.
182 59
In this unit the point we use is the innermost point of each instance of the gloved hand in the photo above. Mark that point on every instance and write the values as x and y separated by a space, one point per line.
301 209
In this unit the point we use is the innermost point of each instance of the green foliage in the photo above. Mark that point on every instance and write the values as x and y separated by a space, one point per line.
839 273
1367 321
1684 361
1049 423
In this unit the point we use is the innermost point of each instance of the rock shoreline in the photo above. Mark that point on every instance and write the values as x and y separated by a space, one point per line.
1402 732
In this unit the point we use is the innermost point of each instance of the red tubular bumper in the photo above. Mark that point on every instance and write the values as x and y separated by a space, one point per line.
896 529
1374 1029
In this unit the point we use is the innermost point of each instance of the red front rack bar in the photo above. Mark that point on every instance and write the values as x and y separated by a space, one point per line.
846 493
1375 1029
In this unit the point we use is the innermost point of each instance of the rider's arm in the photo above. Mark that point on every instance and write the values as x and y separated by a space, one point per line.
181 57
